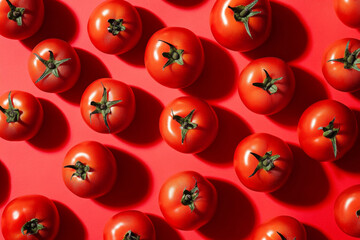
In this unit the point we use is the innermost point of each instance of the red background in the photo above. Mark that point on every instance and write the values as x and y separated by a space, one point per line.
302 29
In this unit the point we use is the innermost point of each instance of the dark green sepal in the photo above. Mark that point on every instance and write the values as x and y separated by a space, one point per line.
12 114
173 56
116 26
81 170
350 59
15 13
330 132
32 227
268 84
282 236
185 123
130 235
189 197
266 162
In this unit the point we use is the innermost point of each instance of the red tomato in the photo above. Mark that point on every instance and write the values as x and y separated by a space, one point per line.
188 124
341 64
89 169
108 105
30 217
21 116
348 11
280 228
174 57
347 211
266 85
129 225
187 200
26 17
263 162
114 27
327 130
54 66
241 25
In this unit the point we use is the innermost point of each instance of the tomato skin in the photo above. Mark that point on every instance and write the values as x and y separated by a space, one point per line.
31 21
312 141
245 163
23 209
288 226
69 71
346 80
259 100
102 175
179 215
346 206
174 75
98 24
121 223
31 116
197 139
348 12
232 34
121 114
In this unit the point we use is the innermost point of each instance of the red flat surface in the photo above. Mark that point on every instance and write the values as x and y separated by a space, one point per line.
302 29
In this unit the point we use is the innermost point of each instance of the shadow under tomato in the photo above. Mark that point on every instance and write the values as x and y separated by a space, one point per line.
235 214
54 132
71 227
232 129
308 90
144 129
5 184
307 184
92 68
356 94
314 234
163 230
186 4
150 24
288 38
219 74
59 22
133 183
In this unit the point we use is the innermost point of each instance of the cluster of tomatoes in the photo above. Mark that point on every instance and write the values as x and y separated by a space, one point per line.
174 57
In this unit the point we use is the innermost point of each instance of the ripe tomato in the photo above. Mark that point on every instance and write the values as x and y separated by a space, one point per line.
347 211
327 130
129 225
20 19
188 124
108 105
54 66
174 57
30 217
21 116
341 65
241 25
266 85
348 12
280 228
89 169
114 27
187 200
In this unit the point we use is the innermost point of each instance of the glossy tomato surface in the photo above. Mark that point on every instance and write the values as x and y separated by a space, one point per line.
348 11
175 75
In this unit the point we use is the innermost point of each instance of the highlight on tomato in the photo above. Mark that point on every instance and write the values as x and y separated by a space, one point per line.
348 12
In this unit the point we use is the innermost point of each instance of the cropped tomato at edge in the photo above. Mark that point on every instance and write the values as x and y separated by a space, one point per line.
348 12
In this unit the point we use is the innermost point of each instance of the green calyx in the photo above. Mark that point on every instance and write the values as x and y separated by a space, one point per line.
130 235
51 65
268 84
189 197
12 114
32 227
330 132
103 107
173 56
185 123
15 13
350 59
243 13
266 162
116 26
81 170
282 236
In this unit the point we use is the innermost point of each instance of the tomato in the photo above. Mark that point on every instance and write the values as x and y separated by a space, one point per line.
280 228
174 57
21 116
30 217
129 225
327 130
241 25
187 200
341 65
266 85
108 105
89 169
347 211
263 162
20 19
188 124
54 66
114 27
348 11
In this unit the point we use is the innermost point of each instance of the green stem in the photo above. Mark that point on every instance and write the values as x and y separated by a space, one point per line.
266 162
12 114
268 84
330 132
15 13
189 197
350 59
116 26
130 235
80 168
185 123
32 227
174 55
